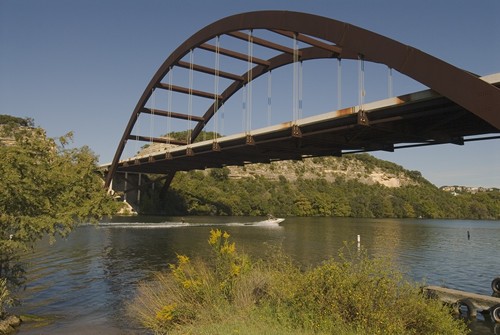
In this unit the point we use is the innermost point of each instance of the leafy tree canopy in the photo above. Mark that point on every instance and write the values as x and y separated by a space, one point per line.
45 189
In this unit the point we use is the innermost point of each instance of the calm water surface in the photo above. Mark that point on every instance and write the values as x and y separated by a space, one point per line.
83 282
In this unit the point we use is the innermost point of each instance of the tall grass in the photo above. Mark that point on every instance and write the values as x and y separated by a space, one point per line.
6 299
232 294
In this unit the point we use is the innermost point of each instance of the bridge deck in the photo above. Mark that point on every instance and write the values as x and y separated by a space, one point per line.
421 118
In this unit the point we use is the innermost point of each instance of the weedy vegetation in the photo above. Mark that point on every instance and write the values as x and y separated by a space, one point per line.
231 294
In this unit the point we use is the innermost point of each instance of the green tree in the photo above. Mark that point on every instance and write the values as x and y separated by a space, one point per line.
303 206
15 121
220 174
45 189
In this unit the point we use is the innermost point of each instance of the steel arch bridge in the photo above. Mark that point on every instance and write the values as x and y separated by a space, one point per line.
458 103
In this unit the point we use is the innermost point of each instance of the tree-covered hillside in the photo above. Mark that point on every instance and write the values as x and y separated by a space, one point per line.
353 186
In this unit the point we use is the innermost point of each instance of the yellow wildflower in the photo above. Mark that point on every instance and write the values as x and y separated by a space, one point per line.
235 270
166 313
188 283
228 248
214 236
183 259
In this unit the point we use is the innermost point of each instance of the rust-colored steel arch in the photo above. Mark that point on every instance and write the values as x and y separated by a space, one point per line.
327 38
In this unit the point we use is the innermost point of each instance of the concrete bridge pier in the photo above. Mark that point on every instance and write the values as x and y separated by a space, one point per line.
126 187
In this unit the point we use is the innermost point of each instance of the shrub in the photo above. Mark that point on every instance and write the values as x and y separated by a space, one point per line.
367 296
231 294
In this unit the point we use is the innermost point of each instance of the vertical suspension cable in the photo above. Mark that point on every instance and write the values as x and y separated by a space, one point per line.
269 96
361 81
136 143
339 83
216 88
222 120
151 117
300 91
190 93
169 107
389 83
295 88
244 108
249 82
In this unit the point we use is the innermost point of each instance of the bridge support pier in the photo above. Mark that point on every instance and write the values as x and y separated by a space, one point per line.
126 186
131 187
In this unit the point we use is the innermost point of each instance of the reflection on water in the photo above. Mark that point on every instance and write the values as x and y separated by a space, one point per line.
85 281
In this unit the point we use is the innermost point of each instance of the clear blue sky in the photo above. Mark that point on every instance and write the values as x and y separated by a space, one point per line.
82 65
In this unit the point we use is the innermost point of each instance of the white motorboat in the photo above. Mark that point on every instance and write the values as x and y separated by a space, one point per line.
270 221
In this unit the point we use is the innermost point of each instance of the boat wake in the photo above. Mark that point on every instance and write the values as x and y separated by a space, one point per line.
174 224
142 224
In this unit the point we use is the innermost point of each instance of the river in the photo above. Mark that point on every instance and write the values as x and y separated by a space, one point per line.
83 282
